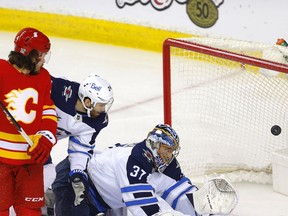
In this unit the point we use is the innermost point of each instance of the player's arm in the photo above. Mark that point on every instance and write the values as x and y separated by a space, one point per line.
80 150
49 117
173 186
45 138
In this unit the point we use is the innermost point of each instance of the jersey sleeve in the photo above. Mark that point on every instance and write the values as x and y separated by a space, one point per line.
174 188
178 194
49 118
80 150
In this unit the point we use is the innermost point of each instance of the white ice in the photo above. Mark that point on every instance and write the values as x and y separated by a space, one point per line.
136 77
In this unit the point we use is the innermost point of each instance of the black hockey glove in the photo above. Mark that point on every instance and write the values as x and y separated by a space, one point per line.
79 181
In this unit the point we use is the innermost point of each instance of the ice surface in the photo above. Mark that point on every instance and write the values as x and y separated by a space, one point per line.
136 77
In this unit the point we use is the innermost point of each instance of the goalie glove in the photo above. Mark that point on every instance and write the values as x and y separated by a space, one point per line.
79 181
217 196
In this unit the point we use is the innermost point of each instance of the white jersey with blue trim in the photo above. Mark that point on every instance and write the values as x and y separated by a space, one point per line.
124 177
78 127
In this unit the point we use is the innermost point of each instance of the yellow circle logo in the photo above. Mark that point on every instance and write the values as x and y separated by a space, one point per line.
202 13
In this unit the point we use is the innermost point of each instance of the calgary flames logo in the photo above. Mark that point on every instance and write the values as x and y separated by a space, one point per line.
17 101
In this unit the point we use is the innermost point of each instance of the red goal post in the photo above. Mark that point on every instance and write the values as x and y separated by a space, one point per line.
234 80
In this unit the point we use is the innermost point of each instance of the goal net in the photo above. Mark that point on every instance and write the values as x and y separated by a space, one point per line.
228 101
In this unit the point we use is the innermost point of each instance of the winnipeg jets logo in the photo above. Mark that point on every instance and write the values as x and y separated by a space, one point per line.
22 104
67 92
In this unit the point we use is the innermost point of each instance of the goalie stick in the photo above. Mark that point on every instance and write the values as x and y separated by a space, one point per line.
15 123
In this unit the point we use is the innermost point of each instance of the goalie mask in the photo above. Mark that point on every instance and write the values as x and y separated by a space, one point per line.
29 39
98 90
163 141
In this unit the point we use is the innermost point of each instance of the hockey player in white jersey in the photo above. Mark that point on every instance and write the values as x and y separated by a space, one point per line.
146 178
81 110
81 114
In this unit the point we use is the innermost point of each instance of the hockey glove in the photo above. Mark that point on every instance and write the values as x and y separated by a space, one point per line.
79 181
217 196
42 144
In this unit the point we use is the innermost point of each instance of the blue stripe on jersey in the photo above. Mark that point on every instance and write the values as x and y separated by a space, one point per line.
134 188
141 202
174 204
76 141
138 189
181 181
96 202
81 152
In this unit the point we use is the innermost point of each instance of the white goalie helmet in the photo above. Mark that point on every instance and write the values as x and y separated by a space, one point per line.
163 141
98 90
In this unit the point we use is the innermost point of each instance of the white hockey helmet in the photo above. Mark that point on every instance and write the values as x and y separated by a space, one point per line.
163 135
98 90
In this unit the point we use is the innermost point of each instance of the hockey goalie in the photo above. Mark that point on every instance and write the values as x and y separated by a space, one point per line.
145 178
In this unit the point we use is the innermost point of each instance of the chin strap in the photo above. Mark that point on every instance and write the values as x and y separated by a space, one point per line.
88 113
88 109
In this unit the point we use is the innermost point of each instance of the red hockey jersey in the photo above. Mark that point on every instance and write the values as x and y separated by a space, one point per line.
27 97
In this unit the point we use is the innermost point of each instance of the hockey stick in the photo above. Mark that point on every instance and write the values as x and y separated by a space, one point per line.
15 123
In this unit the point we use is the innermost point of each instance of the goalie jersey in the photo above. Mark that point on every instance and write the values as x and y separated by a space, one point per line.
80 129
123 176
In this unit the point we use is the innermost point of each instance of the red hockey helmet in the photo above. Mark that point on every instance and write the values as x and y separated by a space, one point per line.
29 39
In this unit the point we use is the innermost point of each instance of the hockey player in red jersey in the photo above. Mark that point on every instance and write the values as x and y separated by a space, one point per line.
25 91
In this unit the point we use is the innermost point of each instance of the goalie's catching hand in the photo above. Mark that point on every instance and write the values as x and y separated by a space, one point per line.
217 196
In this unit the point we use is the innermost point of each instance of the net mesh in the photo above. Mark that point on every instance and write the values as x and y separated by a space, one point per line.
224 110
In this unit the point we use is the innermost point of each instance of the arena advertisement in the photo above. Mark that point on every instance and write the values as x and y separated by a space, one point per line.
245 20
